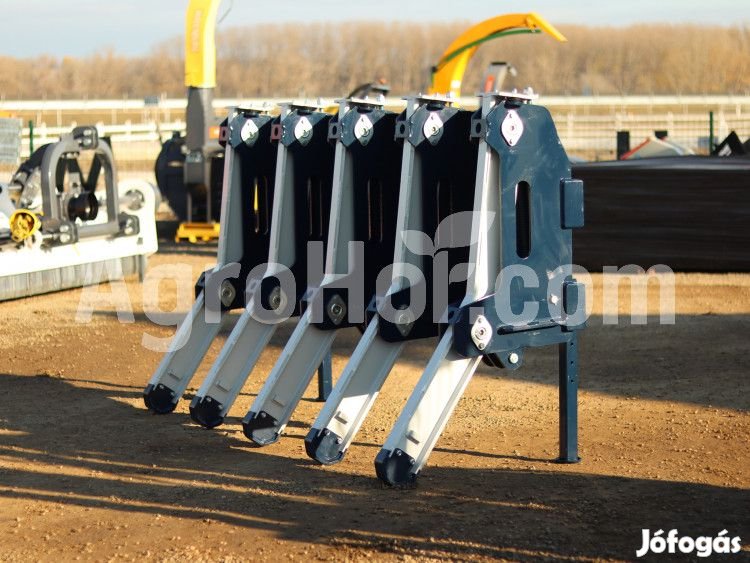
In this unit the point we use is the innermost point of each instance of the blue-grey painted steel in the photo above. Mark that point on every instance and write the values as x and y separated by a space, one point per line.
568 371
534 211
325 378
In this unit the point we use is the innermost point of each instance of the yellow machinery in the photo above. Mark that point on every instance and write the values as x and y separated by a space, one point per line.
197 232
448 73
200 44
189 169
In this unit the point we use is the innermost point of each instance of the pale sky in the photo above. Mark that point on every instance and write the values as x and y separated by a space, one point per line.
132 27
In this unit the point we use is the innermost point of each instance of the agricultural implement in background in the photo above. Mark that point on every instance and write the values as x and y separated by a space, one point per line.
448 73
189 169
367 189
62 228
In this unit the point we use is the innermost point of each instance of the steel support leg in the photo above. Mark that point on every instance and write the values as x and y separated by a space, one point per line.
325 378
177 368
568 354
231 369
352 397
283 390
425 415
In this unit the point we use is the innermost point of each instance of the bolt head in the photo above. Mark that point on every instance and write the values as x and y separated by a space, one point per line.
226 293
274 299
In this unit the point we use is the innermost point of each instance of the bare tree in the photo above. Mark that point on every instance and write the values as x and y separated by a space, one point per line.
328 59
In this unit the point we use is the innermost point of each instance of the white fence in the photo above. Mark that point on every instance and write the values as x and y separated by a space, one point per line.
150 132
587 125
597 133
738 103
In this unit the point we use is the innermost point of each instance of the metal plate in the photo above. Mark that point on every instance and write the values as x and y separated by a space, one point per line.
303 130
433 127
363 130
512 128
249 132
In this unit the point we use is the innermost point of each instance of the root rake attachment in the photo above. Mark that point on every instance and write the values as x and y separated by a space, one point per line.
346 207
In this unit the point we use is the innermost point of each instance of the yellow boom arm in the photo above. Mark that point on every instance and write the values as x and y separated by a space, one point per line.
449 71
200 43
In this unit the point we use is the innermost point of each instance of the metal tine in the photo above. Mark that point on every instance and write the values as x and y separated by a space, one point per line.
431 129
304 167
365 178
248 144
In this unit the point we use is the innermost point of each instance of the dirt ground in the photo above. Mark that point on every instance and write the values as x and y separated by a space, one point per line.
87 473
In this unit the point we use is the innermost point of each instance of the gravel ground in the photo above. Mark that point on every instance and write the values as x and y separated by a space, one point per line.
87 473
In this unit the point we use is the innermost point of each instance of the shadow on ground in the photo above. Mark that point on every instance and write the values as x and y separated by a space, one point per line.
698 359
69 431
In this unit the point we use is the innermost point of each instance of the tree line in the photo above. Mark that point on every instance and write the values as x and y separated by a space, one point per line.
329 59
